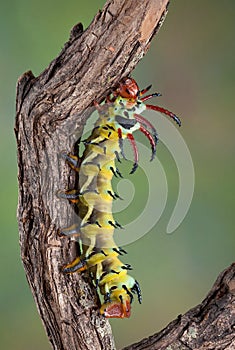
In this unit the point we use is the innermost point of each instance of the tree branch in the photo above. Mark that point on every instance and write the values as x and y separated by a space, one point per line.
210 325
50 113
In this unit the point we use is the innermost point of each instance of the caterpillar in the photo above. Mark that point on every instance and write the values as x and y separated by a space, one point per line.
119 117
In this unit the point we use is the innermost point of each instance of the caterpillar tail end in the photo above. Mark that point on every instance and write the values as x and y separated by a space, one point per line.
116 309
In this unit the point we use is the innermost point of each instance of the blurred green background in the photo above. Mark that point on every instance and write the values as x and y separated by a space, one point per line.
191 61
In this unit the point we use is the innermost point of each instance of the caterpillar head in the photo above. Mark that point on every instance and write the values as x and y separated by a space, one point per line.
127 88
116 309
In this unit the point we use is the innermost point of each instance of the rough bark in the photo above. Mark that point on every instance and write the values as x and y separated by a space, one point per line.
210 325
51 110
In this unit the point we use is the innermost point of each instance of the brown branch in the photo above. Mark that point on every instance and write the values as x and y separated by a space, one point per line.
51 110
210 325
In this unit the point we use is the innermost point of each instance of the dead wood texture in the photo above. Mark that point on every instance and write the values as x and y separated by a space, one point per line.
51 110
208 326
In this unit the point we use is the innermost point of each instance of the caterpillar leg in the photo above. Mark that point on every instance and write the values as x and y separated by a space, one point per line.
73 161
143 91
135 150
132 140
120 141
71 231
77 265
151 140
145 98
146 123
71 195
166 112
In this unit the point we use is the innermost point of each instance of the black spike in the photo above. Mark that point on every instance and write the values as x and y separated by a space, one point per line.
103 253
91 254
127 267
118 172
120 140
110 127
119 250
118 225
117 196
122 251
135 166
113 288
121 298
136 289
103 275
113 171
148 88
177 120
98 224
117 156
128 292
155 136
116 250
112 223
107 297
111 194
153 154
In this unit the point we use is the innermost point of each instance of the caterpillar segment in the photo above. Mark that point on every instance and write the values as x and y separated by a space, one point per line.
119 117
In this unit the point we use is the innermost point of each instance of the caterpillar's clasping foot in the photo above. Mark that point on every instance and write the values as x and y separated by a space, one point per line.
73 161
71 195
77 265
71 231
